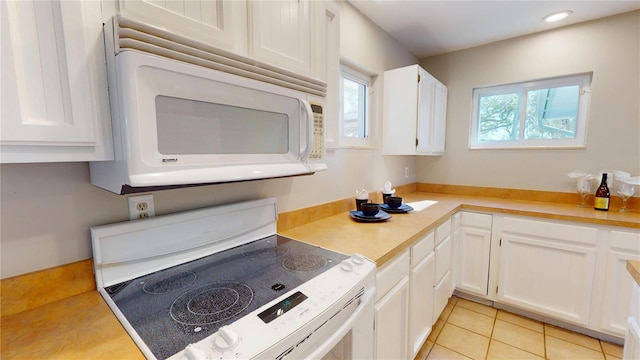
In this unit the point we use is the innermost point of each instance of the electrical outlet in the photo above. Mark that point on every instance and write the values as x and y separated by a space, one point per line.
141 207
406 172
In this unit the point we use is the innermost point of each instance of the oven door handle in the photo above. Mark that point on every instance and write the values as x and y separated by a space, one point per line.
340 333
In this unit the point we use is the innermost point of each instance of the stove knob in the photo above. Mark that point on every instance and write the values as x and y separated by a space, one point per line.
357 259
227 339
193 353
346 265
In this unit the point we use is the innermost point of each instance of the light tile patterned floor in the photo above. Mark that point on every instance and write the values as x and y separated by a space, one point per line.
468 330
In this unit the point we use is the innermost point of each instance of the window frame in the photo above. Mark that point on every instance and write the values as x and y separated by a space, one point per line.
364 79
583 80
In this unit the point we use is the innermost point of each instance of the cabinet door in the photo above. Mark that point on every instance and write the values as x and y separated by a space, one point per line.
443 283
54 93
217 23
400 111
326 47
632 336
431 120
280 33
443 251
420 303
473 260
548 268
441 294
632 340
440 118
391 324
618 282
473 253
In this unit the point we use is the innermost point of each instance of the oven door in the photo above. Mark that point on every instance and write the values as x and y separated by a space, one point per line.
346 334
353 339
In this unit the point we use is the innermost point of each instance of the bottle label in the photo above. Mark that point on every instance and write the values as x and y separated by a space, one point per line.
601 203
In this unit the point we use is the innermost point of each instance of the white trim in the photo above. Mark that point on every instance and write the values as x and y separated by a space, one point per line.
579 142
349 72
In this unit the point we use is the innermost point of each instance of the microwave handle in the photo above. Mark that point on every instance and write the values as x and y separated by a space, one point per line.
308 114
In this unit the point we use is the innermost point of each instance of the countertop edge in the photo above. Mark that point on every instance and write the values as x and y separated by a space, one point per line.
633 267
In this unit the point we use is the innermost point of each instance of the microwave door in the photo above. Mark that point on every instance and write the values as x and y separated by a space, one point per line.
181 124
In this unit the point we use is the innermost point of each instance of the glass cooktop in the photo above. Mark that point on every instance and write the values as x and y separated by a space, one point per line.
174 307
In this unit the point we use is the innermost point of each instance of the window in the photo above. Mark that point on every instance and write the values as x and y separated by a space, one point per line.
354 107
549 113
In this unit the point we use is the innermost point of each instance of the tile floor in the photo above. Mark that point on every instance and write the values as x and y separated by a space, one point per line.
468 330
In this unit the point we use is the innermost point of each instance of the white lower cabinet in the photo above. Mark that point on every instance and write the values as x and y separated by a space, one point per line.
392 308
443 284
548 268
473 250
421 278
623 246
632 338
570 272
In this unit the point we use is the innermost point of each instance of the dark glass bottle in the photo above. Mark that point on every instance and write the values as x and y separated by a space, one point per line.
602 195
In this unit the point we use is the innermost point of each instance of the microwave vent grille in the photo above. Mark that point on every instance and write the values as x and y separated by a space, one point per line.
128 34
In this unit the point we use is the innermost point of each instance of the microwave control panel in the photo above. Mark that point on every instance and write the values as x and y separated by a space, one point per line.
317 152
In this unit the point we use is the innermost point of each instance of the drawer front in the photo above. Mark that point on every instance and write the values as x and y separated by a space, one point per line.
421 249
443 231
551 230
391 273
481 221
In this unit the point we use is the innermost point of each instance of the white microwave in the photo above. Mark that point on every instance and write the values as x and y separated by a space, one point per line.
177 124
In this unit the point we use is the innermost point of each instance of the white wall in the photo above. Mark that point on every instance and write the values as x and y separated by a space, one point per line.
47 209
609 47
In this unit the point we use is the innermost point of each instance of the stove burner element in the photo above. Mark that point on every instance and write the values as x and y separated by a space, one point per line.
304 262
166 283
211 303
261 252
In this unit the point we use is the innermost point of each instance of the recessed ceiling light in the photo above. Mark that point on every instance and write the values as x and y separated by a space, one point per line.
557 16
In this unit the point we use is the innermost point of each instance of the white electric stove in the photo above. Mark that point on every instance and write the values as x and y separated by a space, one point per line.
219 283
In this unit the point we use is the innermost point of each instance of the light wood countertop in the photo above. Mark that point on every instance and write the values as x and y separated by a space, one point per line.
78 327
634 269
380 242
82 326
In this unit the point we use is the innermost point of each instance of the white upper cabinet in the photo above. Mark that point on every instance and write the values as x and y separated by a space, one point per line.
414 112
218 23
288 34
280 33
54 92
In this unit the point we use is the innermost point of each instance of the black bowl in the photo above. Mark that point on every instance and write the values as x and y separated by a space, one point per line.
369 209
394 201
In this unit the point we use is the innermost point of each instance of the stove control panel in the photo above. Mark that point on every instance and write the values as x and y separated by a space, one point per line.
287 324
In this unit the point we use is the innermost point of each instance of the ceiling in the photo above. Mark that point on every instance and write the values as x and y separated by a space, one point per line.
430 27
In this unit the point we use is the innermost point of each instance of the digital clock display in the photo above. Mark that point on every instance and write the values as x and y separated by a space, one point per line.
282 307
